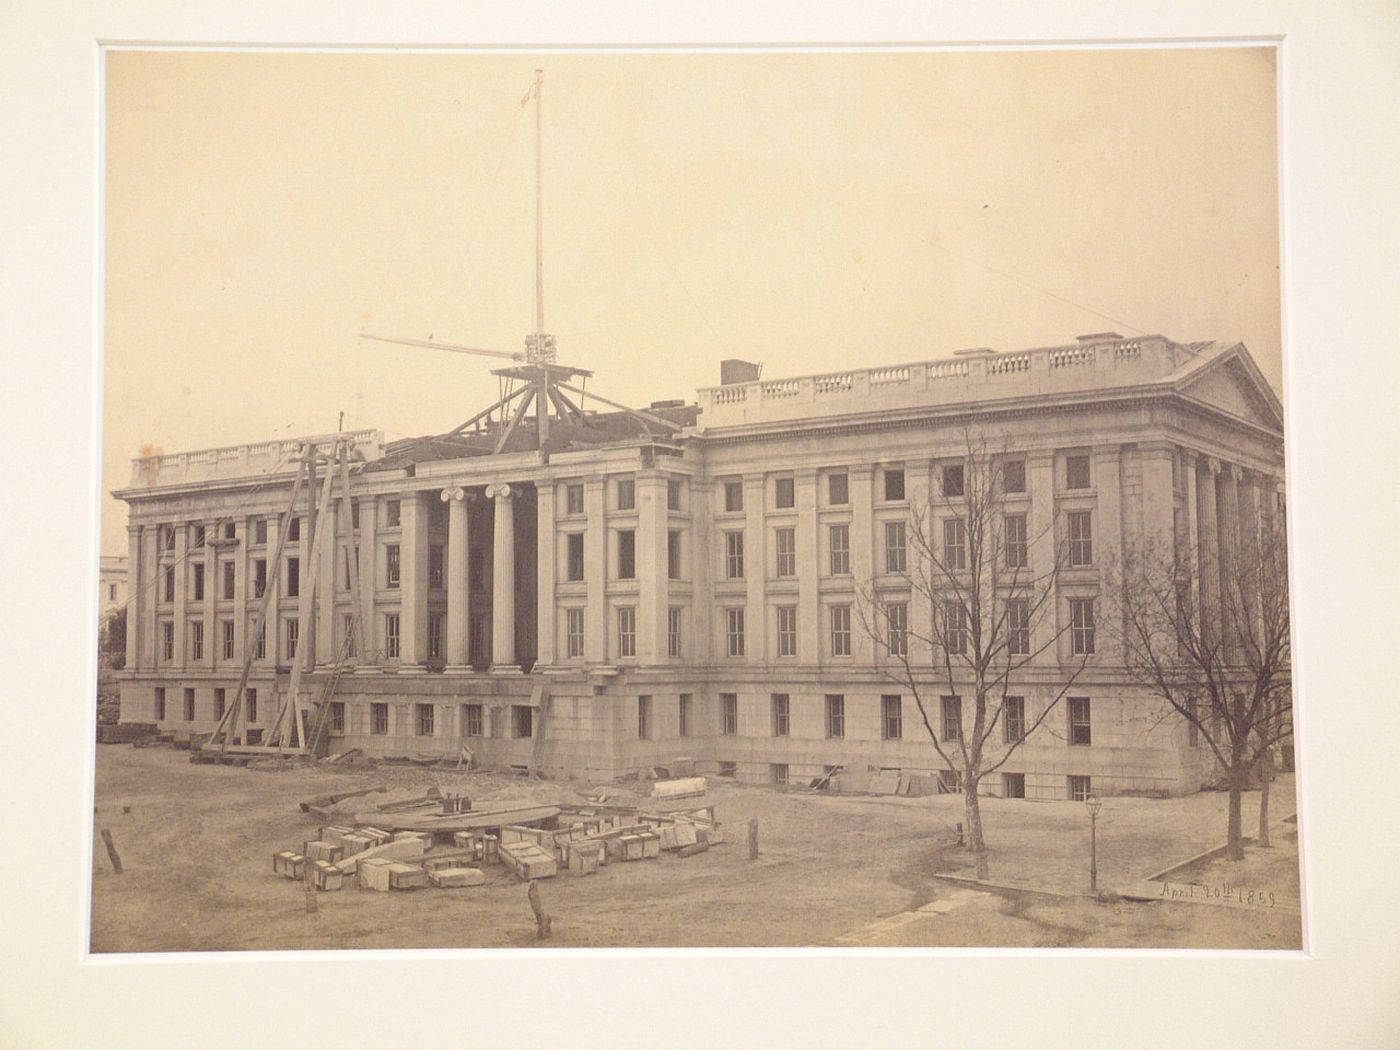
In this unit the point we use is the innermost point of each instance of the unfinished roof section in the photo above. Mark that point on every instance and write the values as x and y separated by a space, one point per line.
235 462
600 428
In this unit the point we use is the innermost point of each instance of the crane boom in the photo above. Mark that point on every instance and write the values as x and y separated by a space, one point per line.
432 344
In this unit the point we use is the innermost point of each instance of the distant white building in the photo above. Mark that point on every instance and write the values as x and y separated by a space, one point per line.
111 584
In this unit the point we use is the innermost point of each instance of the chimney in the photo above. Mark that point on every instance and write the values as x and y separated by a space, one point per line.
732 370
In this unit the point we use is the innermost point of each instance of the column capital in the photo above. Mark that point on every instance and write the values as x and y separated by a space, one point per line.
501 491
1189 457
1211 464
453 494
1235 471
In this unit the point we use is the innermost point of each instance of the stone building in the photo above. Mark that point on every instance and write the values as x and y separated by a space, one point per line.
627 597
111 584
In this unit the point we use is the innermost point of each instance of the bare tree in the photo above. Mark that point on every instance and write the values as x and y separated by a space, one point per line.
990 587
1216 655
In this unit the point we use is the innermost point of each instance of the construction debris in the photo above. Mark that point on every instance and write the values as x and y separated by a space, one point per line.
319 806
686 787
452 878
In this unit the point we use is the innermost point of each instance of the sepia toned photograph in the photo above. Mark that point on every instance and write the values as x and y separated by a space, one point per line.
692 499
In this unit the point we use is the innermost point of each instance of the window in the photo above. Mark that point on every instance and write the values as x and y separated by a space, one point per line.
522 721
894 484
167 641
953 480
891 717
355 514
1081 626
1076 472
1013 476
838 492
1080 788
228 580
840 630
293 577
435 565
260 531
293 634
627 554
835 715
226 629
472 721
1013 785
349 635
573 632
734 631
160 704
733 496
683 714
260 644
337 716
167 537
787 630
778 771
198 570
949 781
391 636
111 592
673 494
573 570
436 624
259 577
839 539
1081 538
170 583
391 565
729 714
643 718
896 559
197 640
189 705
1013 712
250 701
391 514
954 627
219 695
729 769
1080 731
425 719
1018 626
379 719
626 494
294 530
783 494
673 632
787 552
733 555
897 626
573 499
626 631
954 544
1015 525
781 714
673 554
951 708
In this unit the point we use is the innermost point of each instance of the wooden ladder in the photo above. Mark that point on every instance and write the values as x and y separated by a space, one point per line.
316 734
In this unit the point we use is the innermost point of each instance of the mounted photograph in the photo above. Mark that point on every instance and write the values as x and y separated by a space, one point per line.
710 498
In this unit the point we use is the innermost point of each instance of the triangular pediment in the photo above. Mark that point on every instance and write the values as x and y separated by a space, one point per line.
1232 383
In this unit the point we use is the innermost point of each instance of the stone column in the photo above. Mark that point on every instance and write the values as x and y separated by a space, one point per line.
413 583
809 567
1192 534
242 609
272 626
371 579
919 480
150 595
1229 509
595 572
1043 549
702 570
862 481
458 584
135 597
755 571
652 585
182 586
334 522
1208 561
1107 525
503 580
1158 499
546 565
211 594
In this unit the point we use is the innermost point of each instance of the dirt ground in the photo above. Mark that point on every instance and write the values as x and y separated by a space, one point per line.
196 843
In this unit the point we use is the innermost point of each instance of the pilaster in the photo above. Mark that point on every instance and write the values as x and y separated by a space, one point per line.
182 585
651 567
371 659
595 572
1042 549
413 582
862 482
211 594
755 571
546 566
809 567
135 596
458 582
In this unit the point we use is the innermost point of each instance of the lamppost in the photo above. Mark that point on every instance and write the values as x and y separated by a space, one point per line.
1093 805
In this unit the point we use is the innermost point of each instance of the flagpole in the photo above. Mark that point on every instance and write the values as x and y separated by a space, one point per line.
539 215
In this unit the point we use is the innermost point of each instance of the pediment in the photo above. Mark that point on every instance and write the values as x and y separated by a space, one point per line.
1231 383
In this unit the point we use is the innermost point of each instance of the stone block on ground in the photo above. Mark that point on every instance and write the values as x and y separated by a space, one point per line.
454 878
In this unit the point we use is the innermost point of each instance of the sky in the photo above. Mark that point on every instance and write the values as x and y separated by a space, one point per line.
811 211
